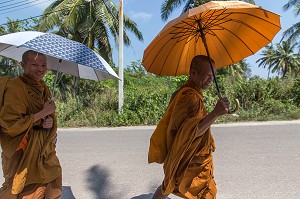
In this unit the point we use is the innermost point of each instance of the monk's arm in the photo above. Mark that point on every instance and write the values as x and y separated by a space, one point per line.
205 123
49 108
220 109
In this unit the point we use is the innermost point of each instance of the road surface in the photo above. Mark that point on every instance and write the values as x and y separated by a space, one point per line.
252 160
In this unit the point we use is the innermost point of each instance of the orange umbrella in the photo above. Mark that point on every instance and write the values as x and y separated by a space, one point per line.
233 30
226 31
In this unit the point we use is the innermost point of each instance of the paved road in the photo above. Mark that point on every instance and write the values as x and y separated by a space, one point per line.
252 161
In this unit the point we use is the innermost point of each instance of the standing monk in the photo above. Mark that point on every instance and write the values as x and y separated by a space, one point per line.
28 135
182 140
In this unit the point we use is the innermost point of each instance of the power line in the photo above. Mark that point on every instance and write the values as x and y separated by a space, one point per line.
61 10
23 7
32 17
14 4
6 2
20 20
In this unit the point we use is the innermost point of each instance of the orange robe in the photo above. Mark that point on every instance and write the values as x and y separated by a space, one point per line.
187 159
28 150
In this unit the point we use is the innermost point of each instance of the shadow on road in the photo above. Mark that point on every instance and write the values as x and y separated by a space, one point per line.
67 193
98 182
149 195
145 196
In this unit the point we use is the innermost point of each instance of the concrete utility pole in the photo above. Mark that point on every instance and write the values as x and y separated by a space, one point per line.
121 81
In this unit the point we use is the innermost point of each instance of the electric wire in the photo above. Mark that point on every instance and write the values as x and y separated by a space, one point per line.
38 16
37 3
6 2
14 4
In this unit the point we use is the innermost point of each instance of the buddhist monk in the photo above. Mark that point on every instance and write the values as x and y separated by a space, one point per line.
182 140
28 135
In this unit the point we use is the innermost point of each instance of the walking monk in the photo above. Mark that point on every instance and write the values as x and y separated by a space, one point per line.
182 140
28 135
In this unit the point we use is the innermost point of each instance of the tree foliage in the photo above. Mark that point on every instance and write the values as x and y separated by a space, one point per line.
292 33
88 22
9 66
147 96
281 59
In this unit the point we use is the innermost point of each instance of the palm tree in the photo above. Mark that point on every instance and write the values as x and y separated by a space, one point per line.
267 58
10 66
237 70
290 4
282 60
292 33
89 22
168 6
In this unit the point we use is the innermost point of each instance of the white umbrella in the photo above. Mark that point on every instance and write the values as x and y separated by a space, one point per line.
63 55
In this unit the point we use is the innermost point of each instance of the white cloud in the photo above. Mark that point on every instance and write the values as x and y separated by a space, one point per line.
141 16
41 4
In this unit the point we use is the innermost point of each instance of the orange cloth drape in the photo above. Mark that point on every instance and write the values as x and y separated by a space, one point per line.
187 159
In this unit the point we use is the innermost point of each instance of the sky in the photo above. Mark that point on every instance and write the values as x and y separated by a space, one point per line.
146 14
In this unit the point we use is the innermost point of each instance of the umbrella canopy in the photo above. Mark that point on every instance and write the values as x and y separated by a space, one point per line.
62 54
233 30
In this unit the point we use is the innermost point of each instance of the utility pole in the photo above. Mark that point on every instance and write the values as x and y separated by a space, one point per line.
121 81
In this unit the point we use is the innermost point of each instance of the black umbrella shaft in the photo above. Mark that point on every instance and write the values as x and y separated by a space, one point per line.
207 52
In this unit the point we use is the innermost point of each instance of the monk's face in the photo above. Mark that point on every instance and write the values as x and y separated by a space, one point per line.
202 76
35 66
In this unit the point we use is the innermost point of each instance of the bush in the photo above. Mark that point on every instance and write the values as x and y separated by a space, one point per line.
146 98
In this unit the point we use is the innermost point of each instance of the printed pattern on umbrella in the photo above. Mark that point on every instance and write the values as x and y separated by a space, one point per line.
73 51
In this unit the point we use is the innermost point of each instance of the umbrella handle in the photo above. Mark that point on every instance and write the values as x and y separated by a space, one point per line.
237 106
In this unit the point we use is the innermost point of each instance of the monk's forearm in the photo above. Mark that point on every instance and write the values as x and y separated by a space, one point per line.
205 123
39 115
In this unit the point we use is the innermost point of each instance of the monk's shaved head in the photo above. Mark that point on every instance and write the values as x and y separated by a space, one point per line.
30 52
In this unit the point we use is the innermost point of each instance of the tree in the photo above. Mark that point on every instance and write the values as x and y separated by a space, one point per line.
239 70
9 66
282 59
89 22
168 6
291 4
268 58
293 32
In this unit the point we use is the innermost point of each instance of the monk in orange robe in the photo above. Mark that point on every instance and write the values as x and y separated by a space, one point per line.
28 135
182 140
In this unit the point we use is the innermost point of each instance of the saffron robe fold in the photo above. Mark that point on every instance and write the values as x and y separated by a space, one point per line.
38 163
187 159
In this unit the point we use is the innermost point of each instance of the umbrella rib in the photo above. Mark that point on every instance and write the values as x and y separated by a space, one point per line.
209 16
234 13
251 27
237 21
221 21
6 47
158 42
255 16
191 29
192 26
177 67
225 47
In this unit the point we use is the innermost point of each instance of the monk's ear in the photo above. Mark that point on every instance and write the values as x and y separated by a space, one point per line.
192 71
22 64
